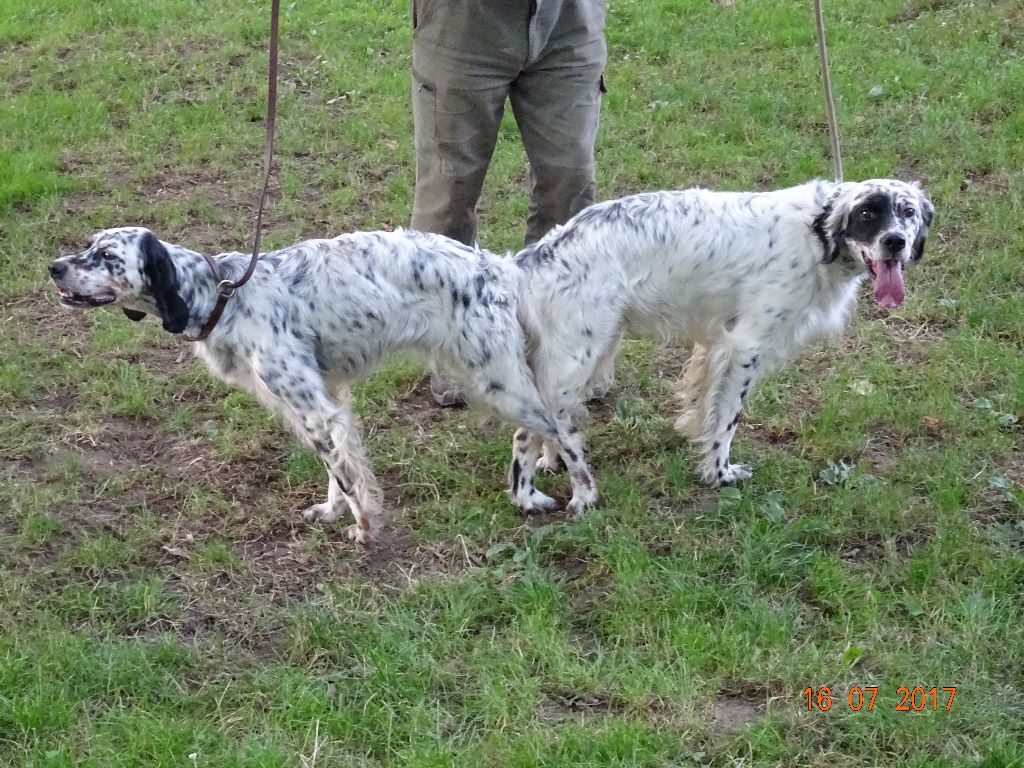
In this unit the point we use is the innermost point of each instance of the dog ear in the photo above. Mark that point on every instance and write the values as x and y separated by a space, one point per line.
824 225
133 314
927 214
163 284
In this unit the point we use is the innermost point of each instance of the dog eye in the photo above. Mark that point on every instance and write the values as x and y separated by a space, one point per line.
867 215
107 255
909 212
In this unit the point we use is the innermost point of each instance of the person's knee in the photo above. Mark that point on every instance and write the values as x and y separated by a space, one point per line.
557 195
446 205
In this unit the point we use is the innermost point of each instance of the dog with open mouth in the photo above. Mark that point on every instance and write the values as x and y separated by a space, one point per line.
750 277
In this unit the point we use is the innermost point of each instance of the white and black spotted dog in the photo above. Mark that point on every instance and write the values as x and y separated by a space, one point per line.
322 313
750 277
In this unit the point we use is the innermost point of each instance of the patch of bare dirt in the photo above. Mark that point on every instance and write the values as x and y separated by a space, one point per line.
989 179
138 444
878 452
732 714
1000 505
417 406
914 10
567 706
398 561
773 434
877 547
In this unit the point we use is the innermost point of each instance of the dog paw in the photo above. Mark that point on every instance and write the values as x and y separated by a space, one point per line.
320 513
550 462
726 475
734 473
360 535
578 505
599 391
535 503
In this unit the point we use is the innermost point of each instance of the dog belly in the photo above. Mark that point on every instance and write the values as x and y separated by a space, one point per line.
683 317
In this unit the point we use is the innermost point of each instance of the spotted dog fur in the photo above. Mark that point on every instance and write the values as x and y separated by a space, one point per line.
320 314
750 277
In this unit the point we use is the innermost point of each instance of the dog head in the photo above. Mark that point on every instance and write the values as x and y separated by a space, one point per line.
129 266
879 225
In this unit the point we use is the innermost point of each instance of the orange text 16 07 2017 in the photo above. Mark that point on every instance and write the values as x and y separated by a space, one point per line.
866 698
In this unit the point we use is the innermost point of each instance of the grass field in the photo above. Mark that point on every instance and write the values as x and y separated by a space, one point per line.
162 603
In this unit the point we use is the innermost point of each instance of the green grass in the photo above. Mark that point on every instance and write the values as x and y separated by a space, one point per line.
161 602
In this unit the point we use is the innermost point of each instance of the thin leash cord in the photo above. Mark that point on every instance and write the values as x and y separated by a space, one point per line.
268 147
226 288
826 81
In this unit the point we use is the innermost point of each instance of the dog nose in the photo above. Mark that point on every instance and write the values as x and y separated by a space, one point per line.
57 269
894 244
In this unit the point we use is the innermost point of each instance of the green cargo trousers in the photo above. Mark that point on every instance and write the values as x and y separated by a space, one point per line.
546 57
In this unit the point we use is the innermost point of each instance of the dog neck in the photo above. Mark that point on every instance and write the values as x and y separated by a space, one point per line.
197 286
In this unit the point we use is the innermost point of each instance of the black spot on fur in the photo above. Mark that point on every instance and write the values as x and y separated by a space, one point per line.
319 354
517 472
341 484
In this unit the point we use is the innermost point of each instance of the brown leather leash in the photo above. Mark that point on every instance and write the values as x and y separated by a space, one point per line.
826 83
227 288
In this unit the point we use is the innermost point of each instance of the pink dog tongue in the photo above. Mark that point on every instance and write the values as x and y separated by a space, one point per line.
889 291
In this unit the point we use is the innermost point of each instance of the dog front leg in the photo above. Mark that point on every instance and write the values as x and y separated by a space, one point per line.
584 487
331 430
522 492
350 477
730 375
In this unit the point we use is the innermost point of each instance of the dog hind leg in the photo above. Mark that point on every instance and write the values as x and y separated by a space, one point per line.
510 390
691 390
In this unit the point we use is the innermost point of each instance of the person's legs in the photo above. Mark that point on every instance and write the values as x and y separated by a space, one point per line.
557 102
557 118
464 57
456 130
557 105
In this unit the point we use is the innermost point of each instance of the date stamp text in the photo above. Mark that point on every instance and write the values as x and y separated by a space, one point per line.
866 698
